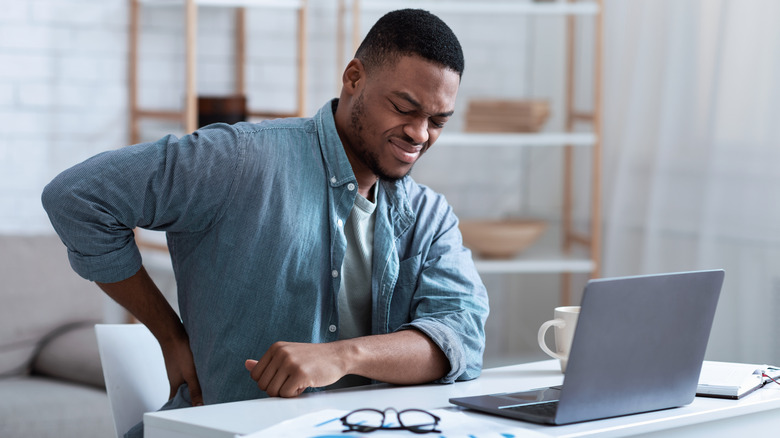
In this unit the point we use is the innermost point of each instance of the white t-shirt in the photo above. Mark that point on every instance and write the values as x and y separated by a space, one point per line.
355 289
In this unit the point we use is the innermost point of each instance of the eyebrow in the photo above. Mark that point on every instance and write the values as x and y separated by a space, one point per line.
404 95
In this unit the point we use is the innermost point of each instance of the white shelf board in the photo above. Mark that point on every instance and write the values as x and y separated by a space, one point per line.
281 4
486 7
541 265
511 139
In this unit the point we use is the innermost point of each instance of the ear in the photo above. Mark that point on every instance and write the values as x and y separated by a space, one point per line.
353 76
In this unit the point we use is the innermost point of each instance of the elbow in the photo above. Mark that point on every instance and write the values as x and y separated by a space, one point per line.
51 198
59 203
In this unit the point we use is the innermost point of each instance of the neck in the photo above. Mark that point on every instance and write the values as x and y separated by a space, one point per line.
367 191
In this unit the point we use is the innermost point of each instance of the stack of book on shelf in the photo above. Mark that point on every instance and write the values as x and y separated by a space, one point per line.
495 115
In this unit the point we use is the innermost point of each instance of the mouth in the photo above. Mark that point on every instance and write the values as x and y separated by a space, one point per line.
404 151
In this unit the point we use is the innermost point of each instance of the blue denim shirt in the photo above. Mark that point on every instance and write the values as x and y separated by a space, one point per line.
251 213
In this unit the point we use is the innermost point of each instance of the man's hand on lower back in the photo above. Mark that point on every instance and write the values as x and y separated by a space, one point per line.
180 366
143 299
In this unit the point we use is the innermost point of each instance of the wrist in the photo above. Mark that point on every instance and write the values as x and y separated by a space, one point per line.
351 356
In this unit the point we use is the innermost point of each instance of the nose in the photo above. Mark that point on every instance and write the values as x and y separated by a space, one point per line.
417 130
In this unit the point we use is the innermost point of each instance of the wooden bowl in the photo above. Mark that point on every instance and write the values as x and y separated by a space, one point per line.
500 239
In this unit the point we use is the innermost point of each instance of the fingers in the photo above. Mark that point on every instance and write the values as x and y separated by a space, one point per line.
279 373
180 367
193 385
266 372
196 395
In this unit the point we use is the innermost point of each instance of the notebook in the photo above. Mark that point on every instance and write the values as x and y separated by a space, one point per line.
733 380
638 347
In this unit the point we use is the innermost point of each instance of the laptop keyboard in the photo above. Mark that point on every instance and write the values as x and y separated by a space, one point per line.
546 409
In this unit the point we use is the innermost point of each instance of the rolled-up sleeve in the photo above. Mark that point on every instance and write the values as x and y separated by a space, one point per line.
450 303
169 185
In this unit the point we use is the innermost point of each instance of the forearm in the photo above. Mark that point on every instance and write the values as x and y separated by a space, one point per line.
141 297
404 357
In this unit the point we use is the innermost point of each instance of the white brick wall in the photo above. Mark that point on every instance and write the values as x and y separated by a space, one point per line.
63 94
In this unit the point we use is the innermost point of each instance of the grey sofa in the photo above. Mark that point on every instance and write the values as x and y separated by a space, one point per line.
51 382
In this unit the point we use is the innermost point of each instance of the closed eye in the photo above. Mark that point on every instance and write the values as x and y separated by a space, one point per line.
436 120
400 111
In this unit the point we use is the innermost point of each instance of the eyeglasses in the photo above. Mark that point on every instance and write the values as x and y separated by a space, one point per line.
369 420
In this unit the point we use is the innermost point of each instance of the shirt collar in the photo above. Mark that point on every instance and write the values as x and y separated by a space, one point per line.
340 170
338 166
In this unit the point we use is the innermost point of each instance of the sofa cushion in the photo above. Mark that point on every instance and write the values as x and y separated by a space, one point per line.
71 353
39 293
41 407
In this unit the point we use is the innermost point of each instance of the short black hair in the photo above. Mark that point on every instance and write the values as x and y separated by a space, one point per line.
408 32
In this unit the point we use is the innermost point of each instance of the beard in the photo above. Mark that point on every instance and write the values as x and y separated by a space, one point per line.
366 156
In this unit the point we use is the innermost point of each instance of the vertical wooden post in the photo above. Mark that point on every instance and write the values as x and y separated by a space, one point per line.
302 58
355 25
132 73
568 157
340 57
191 100
240 50
593 240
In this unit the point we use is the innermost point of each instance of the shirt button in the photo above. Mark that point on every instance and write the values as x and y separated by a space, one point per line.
334 273
341 223
332 328
333 179
351 187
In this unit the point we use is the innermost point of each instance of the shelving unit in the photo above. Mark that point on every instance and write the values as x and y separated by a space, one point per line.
577 253
537 260
188 115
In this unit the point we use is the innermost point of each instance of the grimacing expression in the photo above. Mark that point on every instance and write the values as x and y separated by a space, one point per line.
398 114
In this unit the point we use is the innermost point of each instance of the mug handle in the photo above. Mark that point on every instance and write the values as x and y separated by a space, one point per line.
543 330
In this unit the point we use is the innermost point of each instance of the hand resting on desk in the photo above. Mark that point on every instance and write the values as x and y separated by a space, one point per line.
288 368
404 357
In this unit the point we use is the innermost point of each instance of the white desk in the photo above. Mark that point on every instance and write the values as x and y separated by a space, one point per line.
757 414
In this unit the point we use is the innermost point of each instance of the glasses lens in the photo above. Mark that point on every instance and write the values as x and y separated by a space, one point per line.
365 419
417 420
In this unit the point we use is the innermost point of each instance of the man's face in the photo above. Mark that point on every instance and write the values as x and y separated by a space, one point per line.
397 113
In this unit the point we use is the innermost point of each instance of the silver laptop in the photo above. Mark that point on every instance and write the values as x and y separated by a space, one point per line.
638 347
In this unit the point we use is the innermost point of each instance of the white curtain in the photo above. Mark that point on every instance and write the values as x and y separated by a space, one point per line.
692 155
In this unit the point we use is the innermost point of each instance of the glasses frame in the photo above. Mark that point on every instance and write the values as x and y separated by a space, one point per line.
350 427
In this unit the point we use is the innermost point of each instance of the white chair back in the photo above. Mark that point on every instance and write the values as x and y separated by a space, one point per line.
134 371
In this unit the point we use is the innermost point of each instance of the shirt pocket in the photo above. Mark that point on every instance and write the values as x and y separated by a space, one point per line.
408 273
403 293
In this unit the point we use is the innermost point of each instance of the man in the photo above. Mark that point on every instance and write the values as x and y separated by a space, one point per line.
303 251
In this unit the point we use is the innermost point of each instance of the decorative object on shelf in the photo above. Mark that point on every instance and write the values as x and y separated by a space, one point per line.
500 239
226 109
497 115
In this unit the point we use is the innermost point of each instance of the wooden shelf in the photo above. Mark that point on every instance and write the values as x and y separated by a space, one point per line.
520 139
552 265
492 7
281 4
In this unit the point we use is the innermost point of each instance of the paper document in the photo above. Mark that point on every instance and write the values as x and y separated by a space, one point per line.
326 424
732 380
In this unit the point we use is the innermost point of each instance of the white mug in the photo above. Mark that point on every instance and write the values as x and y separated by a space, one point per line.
565 322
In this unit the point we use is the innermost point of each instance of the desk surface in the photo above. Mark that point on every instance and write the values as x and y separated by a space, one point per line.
716 417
